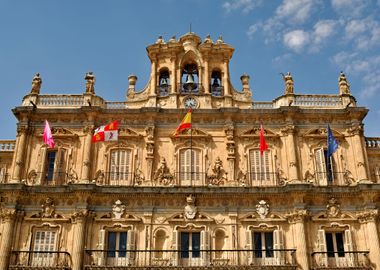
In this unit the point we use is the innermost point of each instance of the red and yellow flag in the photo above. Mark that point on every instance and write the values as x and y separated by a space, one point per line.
185 124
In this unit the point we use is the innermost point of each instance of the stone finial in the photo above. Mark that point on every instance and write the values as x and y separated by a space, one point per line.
245 81
289 83
90 82
219 40
262 209
160 40
172 40
36 84
208 39
190 208
118 209
132 79
344 86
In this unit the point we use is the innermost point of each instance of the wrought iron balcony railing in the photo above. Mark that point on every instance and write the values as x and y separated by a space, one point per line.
264 179
163 90
40 260
50 178
217 91
265 259
115 178
341 260
334 178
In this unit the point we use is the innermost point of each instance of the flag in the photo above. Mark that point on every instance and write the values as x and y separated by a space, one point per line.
48 137
332 144
263 144
106 133
185 124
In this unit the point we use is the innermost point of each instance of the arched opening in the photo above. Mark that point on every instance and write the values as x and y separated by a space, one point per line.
220 242
163 83
190 79
160 239
216 83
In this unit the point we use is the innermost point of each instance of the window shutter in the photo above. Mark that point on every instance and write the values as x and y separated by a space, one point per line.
101 246
205 247
131 246
322 247
320 163
175 247
278 244
182 165
60 166
248 246
196 165
348 247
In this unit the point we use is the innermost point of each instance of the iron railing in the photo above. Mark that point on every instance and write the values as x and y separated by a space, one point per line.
184 91
190 258
40 260
49 178
116 178
163 90
334 178
341 260
264 179
217 91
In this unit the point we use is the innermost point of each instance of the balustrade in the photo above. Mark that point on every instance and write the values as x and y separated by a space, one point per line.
317 101
357 260
7 145
60 100
115 105
40 260
372 143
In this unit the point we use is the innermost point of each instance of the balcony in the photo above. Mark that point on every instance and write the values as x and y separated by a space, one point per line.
355 260
115 178
199 259
46 260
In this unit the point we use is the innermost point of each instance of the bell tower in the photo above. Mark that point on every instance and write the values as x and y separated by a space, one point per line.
190 72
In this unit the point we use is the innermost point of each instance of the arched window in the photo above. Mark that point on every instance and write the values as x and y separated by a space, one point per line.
216 83
159 244
163 83
325 168
120 171
190 169
220 244
260 166
190 79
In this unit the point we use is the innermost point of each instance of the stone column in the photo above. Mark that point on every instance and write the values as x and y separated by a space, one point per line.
173 79
225 79
85 178
79 223
18 162
297 219
292 158
153 77
206 78
369 218
7 217
358 149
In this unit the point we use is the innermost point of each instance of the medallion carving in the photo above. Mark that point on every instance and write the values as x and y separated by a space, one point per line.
262 209
333 208
190 208
118 209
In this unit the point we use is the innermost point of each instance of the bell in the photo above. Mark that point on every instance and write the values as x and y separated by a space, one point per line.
216 82
163 82
189 84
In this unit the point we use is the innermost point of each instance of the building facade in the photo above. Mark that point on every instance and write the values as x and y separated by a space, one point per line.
206 198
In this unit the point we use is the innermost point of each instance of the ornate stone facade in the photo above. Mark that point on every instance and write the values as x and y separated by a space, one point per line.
206 197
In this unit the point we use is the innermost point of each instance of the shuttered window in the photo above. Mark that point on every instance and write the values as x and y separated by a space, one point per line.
44 241
190 165
120 166
260 165
324 168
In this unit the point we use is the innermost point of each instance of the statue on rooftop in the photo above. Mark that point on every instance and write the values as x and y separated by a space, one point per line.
289 83
90 82
344 86
36 84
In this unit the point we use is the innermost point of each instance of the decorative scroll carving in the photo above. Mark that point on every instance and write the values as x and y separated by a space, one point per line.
72 176
297 215
242 178
163 175
79 215
32 177
190 208
48 210
367 216
118 209
333 208
99 177
7 214
139 177
262 209
218 174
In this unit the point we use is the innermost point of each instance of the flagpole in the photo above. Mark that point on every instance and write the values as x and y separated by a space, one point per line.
191 153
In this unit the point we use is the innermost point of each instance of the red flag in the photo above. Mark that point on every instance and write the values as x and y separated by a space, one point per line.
263 144
106 133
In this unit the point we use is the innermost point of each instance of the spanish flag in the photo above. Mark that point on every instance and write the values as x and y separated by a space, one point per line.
185 124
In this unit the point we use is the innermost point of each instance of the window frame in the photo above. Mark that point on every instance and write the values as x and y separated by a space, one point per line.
117 176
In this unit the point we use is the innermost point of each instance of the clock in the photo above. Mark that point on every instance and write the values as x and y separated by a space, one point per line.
190 102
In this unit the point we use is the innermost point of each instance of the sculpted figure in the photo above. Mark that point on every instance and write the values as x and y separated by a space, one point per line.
218 174
90 82
36 84
190 208
344 86
289 83
163 175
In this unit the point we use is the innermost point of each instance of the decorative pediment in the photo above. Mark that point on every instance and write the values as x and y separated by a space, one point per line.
125 218
200 217
59 132
194 133
255 132
321 133
323 216
47 211
127 133
254 217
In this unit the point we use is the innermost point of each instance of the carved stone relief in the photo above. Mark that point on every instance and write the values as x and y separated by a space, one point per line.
262 209
190 210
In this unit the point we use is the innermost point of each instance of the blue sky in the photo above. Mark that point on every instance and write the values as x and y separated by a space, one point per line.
313 39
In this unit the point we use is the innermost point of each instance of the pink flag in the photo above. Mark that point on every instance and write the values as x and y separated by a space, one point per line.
48 137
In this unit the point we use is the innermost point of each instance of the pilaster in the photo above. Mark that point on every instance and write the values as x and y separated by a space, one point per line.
78 219
7 217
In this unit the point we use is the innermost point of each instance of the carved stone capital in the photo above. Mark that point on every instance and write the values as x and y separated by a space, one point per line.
80 215
7 215
368 216
21 130
297 216
88 129
86 163
289 129
355 130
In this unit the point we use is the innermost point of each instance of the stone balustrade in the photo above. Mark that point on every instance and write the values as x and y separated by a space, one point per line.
372 142
116 105
60 101
262 105
7 145
325 101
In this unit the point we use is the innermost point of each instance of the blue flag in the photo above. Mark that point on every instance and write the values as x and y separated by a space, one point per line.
332 144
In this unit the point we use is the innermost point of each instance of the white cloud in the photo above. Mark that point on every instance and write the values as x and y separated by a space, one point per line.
365 33
245 5
350 8
296 40
297 11
324 29
282 59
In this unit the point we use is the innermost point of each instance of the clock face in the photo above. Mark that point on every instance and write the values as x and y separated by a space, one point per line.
191 102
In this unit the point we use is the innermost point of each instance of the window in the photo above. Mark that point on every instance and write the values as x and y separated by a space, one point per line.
216 84
190 167
50 164
190 245
55 167
120 170
263 244
260 168
335 248
324 167
189 80
44 241
164 83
